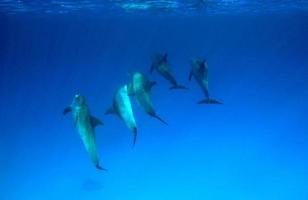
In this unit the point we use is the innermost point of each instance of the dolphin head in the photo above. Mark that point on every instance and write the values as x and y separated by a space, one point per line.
199 61
79 100
136 74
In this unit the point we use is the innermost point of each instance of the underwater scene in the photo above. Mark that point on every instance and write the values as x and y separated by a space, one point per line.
154 100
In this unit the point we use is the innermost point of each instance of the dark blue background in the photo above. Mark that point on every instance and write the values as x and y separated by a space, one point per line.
252 147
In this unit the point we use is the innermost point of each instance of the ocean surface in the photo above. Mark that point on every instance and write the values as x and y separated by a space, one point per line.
252 147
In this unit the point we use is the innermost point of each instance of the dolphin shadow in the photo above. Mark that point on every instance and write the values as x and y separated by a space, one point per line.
91 185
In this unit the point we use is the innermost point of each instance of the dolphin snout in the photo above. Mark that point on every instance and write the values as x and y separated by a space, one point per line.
79 99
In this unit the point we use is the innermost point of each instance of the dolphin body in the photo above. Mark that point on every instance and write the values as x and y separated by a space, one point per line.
122 108
199 71
161 65
140 87
85 124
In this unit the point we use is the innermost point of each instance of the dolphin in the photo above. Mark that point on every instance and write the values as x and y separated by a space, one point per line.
161 65
140 87
122 108
85 124
199 71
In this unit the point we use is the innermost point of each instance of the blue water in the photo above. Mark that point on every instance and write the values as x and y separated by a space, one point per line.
253 147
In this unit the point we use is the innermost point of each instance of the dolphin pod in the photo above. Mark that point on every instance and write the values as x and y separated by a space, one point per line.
138 87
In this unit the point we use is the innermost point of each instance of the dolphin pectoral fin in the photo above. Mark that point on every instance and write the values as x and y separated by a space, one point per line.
190 75
134 136
178 87
100 167
110 111
209 101
95 121
67 110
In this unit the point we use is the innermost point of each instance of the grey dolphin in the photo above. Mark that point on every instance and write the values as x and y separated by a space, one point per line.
140 88
85 124
122 107
161 65
199 70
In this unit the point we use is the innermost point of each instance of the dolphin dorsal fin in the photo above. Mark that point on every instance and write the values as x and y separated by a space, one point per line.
202 64
165 57
95 121
152 83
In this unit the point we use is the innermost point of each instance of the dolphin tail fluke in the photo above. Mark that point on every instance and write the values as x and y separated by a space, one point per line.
134 136
100 167
160 119
178 87
209 101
